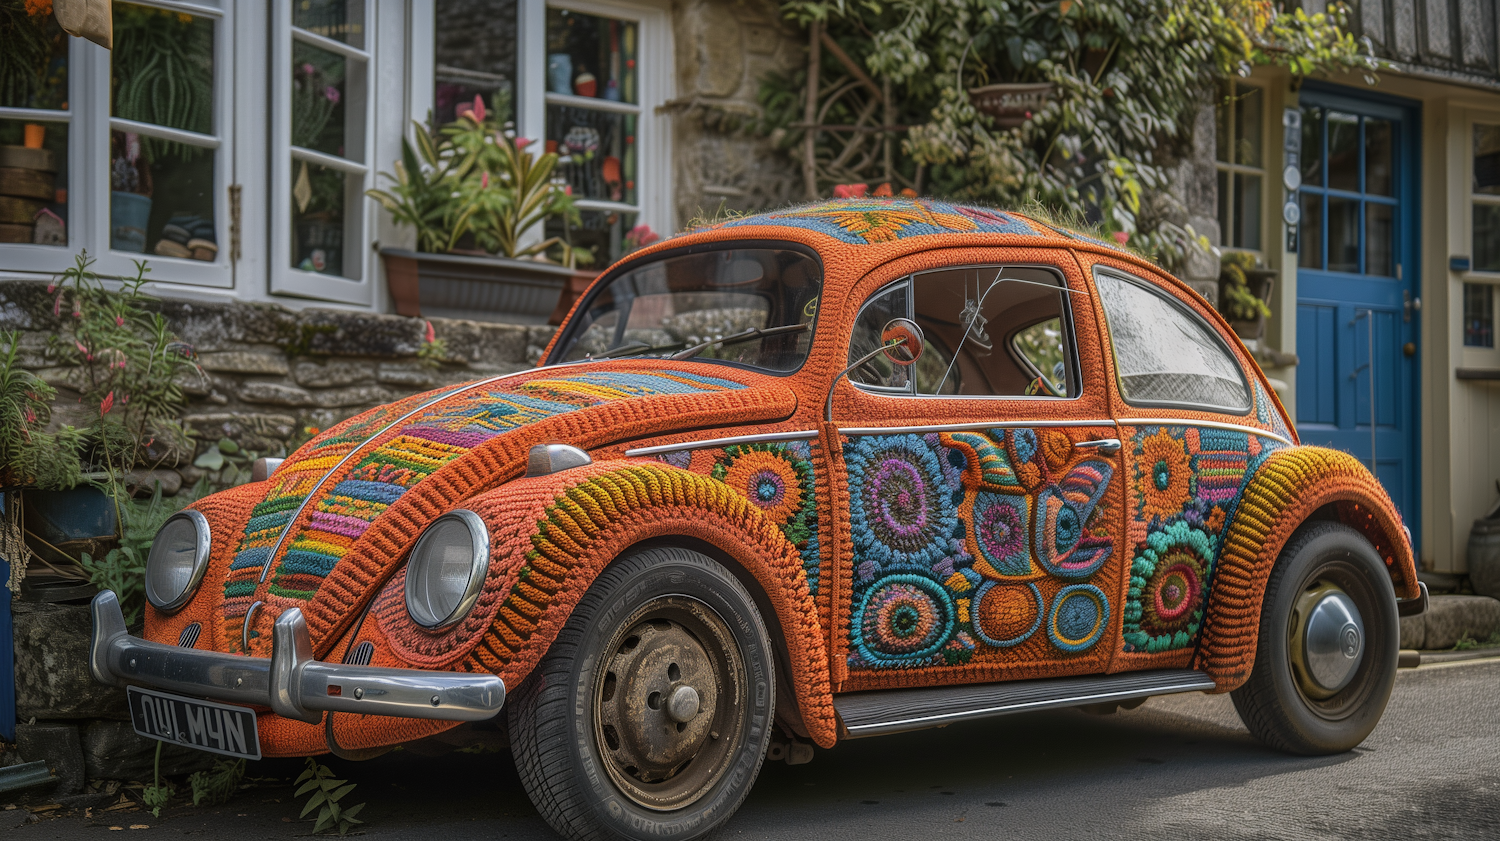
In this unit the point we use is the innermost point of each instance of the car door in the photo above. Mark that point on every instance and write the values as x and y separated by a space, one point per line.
982 482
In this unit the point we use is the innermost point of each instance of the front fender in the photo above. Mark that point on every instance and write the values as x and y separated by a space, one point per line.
551 536
1290 486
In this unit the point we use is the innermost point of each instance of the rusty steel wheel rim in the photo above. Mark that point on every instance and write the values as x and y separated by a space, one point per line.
667 703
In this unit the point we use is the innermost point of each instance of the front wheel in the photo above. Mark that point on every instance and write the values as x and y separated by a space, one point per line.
650 714
1326 658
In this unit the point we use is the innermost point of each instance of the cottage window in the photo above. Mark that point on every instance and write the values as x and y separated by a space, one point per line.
1241 165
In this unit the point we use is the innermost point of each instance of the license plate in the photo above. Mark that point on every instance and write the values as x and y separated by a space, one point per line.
205 725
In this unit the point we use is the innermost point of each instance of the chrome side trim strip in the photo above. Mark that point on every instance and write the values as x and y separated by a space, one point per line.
721 442
961 427
1230 427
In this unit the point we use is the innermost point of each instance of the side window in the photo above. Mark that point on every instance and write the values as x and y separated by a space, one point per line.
1166 355
990 331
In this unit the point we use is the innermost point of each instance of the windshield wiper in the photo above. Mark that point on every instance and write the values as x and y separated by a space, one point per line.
742 336
632 348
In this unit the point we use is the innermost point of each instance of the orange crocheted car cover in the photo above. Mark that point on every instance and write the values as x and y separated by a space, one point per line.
1290 486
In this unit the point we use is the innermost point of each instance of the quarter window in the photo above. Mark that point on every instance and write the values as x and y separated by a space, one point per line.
1164 354
989 331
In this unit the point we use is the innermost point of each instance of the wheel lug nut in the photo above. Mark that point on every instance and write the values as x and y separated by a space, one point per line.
682 706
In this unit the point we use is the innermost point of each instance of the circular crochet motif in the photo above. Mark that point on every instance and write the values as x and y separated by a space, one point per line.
1000 531
776 481
1168 580
902 621
1007 614
1165 472
1079 616
903 514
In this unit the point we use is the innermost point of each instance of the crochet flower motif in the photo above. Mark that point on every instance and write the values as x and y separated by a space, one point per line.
1164 474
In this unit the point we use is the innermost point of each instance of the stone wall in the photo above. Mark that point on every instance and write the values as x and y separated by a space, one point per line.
269 371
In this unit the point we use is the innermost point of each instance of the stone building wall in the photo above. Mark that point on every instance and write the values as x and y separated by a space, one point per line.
269 372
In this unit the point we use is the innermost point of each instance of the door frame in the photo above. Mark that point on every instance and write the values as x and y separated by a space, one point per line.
1408 167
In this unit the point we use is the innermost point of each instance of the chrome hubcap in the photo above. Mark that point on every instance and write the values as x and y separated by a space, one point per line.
1328 641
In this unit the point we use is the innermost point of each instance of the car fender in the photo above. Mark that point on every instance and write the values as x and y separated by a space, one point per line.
1285 492
552 535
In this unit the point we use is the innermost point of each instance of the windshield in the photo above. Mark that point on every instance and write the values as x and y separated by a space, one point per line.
676 303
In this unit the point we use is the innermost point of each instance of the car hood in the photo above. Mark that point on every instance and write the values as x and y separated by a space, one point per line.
336 517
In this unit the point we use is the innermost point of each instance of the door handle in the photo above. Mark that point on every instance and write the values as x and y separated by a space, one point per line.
1104 446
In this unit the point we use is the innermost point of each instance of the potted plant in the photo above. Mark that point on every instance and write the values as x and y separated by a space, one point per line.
472 183
1245 294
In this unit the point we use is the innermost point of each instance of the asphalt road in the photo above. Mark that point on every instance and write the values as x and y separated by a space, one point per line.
1178 767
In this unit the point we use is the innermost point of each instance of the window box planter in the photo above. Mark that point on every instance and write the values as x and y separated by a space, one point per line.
1261 282
481 288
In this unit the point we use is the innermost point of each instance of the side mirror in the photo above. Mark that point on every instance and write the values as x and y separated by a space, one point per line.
901 342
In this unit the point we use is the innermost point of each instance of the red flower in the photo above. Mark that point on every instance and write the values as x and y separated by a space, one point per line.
431 335
107 404
119 321
484 180
883 190
850 191
522 142
478 108
1122 237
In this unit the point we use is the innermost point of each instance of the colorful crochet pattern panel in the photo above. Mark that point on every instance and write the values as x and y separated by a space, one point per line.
864 221
975 547
343 507
1186 486
777 478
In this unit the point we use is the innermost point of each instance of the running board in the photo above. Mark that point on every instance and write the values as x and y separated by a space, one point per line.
899 710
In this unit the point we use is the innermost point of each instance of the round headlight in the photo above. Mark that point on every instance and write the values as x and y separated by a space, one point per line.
447 569
178 558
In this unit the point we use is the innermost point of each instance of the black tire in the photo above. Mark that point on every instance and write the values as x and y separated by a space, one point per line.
589 752
1281 703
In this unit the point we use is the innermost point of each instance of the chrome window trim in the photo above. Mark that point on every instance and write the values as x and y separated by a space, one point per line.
964 427
204 541
479 565
757 438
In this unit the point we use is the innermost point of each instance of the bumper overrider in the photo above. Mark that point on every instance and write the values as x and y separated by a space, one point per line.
290 682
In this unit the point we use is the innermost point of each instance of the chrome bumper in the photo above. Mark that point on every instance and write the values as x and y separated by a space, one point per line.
1416 606
291 682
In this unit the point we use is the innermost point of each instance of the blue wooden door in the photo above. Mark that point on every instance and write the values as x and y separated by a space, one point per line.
1356 281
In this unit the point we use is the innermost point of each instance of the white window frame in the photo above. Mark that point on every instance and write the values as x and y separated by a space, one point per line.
90 124
654 74
1462 239
284 278
1236 168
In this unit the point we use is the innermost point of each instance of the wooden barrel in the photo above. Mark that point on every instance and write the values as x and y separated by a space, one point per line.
1484 557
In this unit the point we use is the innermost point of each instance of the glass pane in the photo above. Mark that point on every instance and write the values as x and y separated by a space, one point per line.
1487 159
1165 355
1379 156
1343 151
1249 106
601 235
475 51
1221 124
33 182
598 149
320 225
878 371
1247 211
1380 238
592 56
1487 238
1479 315
162 69
161 198
1312 146
34 73
1310 239
1343 235
1224 205
1042 346
323 117
341 20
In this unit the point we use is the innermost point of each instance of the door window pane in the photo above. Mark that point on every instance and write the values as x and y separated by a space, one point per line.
1379 157
1380 233
1312 146
1479 315
322 117
1310 246
598 149
1246 211
1343 234
591 56
1343 152
1248 107
162 70
335 19
1165 355
878 371
319 198
161 198
33 182
475 52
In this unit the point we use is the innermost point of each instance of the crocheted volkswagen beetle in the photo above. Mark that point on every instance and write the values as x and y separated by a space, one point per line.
844 469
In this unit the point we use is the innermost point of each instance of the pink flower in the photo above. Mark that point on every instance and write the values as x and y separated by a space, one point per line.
119 321
31 416
107 404
331 93
81 348
478 108
849 191
1122 237
307 69
484 184
51 287
431 335
568 190
522 142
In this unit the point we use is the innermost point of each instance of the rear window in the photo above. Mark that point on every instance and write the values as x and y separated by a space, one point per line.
1165 354
674 303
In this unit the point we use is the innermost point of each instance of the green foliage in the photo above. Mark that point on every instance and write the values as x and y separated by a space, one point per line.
1469 643
26 452
163 67
1128 78
216 785
160 792
1237 302
228 462
326 794
123 569
424 193
29 36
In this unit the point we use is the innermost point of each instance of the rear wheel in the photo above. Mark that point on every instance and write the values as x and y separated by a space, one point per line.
1329 637
650 714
